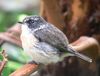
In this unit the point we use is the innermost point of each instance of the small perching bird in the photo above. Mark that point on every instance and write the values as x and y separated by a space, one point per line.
44 42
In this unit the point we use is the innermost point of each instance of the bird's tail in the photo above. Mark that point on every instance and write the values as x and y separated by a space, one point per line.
79 55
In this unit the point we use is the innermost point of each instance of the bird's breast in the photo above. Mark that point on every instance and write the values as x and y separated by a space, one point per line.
27 38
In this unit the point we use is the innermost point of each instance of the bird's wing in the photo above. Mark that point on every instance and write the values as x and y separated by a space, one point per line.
56 38
46 49
52 35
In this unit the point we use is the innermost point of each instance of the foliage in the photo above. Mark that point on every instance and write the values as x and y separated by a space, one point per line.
9 18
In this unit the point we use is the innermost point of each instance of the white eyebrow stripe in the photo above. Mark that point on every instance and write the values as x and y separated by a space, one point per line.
41 27
32 18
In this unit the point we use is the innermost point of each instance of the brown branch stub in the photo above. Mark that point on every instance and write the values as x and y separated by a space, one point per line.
3 63
26 70
87 45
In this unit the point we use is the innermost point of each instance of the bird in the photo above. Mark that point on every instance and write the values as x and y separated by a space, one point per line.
44 42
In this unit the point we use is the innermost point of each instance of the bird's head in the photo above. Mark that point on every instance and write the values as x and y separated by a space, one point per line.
33 22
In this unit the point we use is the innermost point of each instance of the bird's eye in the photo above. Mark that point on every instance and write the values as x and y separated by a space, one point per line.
30 21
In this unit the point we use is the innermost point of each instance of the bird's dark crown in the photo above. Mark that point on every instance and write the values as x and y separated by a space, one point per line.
34 22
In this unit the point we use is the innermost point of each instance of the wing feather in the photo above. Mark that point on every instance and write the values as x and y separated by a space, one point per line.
52 35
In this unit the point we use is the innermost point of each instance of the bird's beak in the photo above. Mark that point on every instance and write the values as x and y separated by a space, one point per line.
20 22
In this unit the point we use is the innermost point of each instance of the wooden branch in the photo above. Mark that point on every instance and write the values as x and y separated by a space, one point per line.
53 13
26 70
3 63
